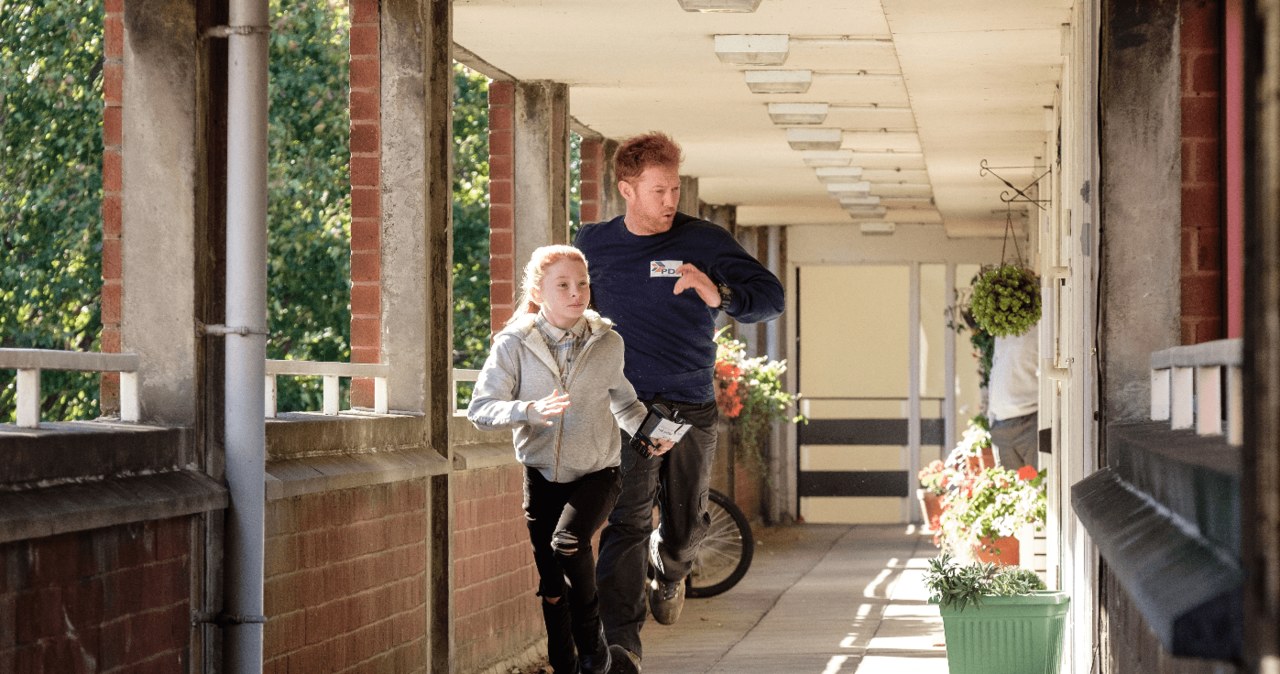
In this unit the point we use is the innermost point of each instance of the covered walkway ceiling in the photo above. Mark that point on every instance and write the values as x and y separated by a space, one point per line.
917 94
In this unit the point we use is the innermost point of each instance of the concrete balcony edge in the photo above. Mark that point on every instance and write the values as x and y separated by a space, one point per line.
1188 589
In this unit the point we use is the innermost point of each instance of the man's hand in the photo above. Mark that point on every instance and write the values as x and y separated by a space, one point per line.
692 277
660 447
541 410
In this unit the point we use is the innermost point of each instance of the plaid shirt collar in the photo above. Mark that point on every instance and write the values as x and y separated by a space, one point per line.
555 335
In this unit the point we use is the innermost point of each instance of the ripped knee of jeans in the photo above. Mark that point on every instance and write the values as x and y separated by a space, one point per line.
564 543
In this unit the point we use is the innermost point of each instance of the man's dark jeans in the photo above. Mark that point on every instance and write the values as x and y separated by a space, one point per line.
679 480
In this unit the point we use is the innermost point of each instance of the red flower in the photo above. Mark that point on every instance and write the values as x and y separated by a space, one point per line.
1027 473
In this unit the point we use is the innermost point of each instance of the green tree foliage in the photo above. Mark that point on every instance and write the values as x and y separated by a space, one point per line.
51 192
470 218
309 198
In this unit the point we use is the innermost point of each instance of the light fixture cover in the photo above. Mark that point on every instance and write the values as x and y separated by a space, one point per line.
854 199
876 227
827 158
798 113
742 6
839 174
778 81
803 138
756 50
864 212
837 189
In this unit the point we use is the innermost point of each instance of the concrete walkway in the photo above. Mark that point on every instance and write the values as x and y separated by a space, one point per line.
820 599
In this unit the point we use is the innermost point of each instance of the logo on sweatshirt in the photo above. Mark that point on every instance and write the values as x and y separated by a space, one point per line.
664 268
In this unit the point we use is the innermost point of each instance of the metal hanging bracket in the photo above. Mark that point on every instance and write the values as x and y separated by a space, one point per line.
1019 195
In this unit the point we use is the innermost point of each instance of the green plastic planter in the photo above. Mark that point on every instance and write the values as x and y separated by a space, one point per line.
1007 635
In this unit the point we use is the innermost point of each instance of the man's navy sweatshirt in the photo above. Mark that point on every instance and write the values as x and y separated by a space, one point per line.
670 350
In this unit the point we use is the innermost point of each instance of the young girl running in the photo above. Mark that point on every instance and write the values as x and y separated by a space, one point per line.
554 377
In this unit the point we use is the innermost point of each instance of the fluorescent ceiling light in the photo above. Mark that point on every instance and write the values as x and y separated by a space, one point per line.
719 5
876 227
798 113
815 139
838 174
827 158
859 200
864 212
778 81
836 189
757 50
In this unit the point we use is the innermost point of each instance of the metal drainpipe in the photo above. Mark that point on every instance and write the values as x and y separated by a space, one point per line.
245 423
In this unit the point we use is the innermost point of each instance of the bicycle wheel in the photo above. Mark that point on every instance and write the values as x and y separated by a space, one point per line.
726 552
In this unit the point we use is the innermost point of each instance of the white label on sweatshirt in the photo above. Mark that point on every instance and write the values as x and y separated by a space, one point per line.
664 268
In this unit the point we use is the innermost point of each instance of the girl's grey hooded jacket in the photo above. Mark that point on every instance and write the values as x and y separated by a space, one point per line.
520 369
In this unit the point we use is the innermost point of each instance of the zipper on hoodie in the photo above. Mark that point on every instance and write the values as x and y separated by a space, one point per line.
567 382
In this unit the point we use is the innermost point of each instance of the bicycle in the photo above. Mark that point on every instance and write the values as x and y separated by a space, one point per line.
725 554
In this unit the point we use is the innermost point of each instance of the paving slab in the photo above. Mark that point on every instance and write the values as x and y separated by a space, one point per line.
826 599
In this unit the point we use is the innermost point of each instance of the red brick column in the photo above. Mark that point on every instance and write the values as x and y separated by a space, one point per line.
591 188
112 187
366 190
503 268
1202 206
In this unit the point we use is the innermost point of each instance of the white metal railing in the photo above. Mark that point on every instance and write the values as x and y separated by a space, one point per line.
29 363
1188 387
460 375
331 373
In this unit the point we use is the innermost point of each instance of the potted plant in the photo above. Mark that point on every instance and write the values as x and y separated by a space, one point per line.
1006 300
997 619
750 395
933 480
985 513
974 452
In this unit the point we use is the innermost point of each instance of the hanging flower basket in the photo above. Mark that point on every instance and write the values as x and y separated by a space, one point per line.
1006 300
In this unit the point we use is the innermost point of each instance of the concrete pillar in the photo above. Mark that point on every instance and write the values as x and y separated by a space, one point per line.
416 205
541 167
1260 469
1140 195
724 215
417 256
689 203
157 183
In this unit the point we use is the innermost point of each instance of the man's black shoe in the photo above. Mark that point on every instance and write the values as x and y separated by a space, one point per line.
666 600
624 661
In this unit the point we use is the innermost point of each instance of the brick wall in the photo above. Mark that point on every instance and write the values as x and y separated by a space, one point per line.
112 187
496 612
346 580
366 193
502 266
591 186
1202 205
110 600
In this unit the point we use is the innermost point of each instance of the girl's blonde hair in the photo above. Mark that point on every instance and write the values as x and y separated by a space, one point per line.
535 270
